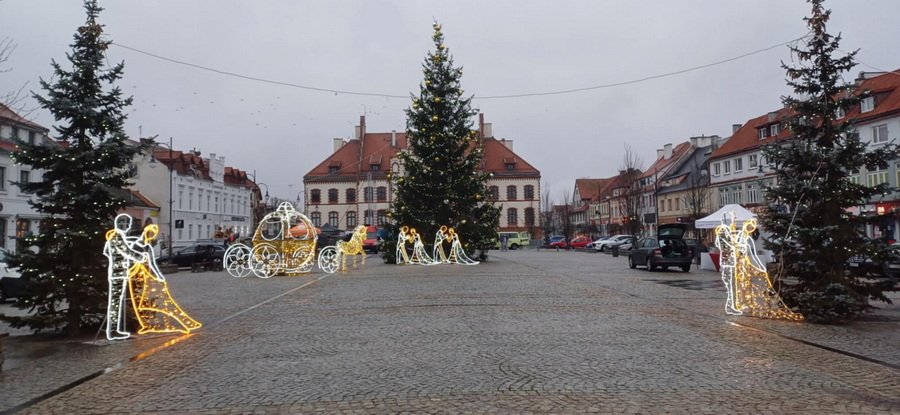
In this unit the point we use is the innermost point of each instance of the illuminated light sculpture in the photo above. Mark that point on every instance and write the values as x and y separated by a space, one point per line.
750 290
419 255
157 311
402 238
133 263
284 243
457 253
438 253
331 256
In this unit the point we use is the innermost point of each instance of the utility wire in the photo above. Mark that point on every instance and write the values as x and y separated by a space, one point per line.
521 95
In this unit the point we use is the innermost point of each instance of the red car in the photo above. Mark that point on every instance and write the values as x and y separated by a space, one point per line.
580 242
370 245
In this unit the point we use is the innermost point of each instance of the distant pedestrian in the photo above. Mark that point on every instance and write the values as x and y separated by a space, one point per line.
504 242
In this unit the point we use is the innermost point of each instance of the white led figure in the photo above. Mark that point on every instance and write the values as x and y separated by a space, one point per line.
457 253
419 255
750 290
402 239
438 253
118 250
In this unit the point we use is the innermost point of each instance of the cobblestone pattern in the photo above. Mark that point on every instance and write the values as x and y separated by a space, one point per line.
527 332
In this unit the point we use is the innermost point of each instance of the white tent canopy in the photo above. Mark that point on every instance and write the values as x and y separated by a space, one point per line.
741 215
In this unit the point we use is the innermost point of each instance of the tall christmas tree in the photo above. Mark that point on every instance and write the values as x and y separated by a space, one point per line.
808 207
442 183
64 264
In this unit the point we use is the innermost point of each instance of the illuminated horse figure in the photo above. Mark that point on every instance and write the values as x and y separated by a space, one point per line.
750 290
457 253
353 247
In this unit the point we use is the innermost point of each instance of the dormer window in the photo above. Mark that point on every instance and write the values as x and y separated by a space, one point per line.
762 133
334 166
867 104
375 162
374 167
509 163
774 129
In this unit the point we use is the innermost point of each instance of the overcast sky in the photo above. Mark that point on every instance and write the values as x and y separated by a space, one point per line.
506 47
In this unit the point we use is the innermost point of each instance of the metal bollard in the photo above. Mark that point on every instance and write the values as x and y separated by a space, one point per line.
615 251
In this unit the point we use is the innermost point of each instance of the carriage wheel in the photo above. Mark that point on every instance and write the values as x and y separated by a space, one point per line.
237 260
329 259
264 260
304 259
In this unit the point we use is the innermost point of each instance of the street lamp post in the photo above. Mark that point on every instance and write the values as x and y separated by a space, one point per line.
171 200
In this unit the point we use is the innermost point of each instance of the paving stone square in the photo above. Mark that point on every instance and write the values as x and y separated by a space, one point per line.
526 332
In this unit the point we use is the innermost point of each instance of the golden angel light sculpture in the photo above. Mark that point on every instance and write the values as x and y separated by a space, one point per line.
336 255
440 255
284 243
132 264
747 283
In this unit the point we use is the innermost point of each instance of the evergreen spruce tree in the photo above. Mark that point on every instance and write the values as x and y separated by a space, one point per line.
442 183
808 208
63 264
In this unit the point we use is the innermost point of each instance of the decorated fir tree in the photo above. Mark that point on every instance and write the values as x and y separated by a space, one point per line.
442 182
63 264
814 235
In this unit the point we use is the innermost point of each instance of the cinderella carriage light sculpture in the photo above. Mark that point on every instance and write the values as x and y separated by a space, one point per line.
284 243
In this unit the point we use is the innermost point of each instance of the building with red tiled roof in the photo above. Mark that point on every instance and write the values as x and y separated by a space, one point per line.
199 196
350 186
17 218
668 158
585 212
739 174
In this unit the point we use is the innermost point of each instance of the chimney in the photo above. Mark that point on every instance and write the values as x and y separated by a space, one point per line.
667 151
361 128
505 142
735 127
481 124
772 116
659 153
487 130
338 143
393 138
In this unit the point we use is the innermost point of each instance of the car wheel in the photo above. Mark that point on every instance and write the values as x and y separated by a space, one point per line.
602 248
686 268
664 268
631 263
514 246
650 265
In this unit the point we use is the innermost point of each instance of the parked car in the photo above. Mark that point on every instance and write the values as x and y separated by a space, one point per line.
580 242
11 283
515 240
370 244
557 241
889 267
605 244
598 240
667 249
624 244
195 254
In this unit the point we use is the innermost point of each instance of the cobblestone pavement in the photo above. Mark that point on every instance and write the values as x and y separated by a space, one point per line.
541 332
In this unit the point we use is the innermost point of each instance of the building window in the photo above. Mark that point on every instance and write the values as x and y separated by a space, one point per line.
528 192
511 192
510 166
333 218
677 203
717 169
738 164
367 217
752 193
867 104
316 219
208 231
512 217
191 232
23 229
381 194
351 195
762 133
374 167
669 205
2 180
723 195
382 217
180 199
332 195
351 219
217 204
839 113
24 177
333 169
877 177
31 137
494 193
879 134
191 200
367 194
315 196
727 166
529 216
737 195
752 161
774 129
2 232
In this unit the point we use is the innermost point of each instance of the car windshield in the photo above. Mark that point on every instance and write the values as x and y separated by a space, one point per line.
371 235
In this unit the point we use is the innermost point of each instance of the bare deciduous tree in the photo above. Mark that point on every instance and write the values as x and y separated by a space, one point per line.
697 197
547 214
13 99
630 200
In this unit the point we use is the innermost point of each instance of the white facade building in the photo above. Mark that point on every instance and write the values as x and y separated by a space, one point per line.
17 218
